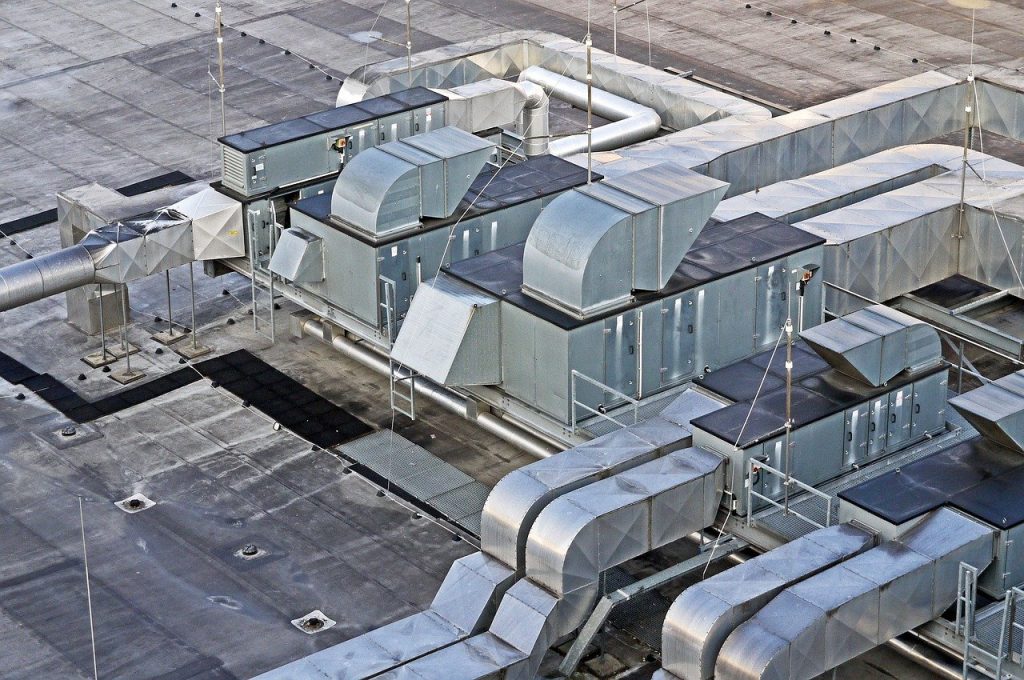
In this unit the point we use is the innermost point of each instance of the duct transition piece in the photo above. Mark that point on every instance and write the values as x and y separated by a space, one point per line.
996 410
875 344
392 186
591 247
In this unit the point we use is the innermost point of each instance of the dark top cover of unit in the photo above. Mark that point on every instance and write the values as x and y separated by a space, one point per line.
721 249
332 119
493 189
818 392
977 476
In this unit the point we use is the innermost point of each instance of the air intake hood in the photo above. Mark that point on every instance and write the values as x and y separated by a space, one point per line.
875 344
591 247
996 410
392 186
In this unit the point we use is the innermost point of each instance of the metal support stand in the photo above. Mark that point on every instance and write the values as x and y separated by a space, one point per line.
193 349
128 375
170 336
104 357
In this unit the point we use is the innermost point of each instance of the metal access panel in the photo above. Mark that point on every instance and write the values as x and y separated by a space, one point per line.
393 128
878 411
929 405
817 453
620 354
901 410
773 304
429 118
735 337
855 436
1007 570
681 318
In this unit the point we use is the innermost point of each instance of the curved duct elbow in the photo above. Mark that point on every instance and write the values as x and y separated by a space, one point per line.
632 122
536 112
44 276
590 248
392 186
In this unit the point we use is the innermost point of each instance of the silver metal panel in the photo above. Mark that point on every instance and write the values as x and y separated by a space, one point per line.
594 528
216 224
298 257
950 538
856 433
995 411
906 582
451 334
900 420
929 405
690 404
469 594
850 605
878 416
754 652
377 193
579 254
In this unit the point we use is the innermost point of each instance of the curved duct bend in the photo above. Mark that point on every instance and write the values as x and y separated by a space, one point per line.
536 112
43 276
842 612
632 122
703 616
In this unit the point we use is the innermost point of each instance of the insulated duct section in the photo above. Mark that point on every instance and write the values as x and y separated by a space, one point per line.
632 122
875 344
573 541
469 596
392 186
832 617
591 247
46 275
705 614
129 249
996 410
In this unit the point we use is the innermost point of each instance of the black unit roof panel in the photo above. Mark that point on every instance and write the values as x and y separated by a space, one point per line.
493 189
331 119
977 476
718 259
822 391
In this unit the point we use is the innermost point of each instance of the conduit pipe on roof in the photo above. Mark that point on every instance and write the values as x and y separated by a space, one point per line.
632 122
532 444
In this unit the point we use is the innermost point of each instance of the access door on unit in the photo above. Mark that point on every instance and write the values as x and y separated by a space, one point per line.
772 304
877 426
767 483
855 436
620 354
929 405
901 409
678 338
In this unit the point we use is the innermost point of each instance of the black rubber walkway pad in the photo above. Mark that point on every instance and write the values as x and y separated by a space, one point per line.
288 402
77 408
170 179
28 222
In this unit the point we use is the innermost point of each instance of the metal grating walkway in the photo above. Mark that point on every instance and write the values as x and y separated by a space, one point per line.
421 475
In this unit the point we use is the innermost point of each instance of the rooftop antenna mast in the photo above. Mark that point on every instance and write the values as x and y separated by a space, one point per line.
220 67
590 111
408 39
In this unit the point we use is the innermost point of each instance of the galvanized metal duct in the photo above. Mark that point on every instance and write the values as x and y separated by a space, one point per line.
128 249
514 503
463 606
574 539
392 186
632 122
705 614
46 275
591 247
875 344
828 619
536 118
996 410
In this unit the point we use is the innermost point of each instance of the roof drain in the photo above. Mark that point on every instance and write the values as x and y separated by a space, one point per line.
632 122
